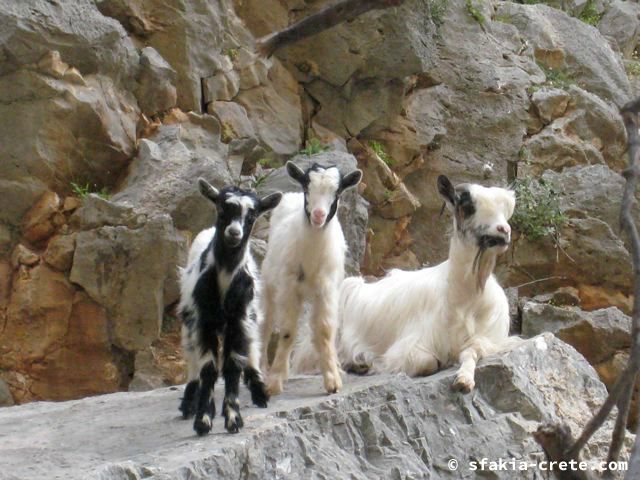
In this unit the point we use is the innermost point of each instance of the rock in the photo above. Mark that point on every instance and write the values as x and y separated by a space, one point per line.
44 120
590 132
569 45
146 376
37 316
6 271
162 178
71 204
352 211
6 399
275 111
84 38
591 252
5 238
233 120
156 91
221 86
193 36
37 223
593 297
85 365
377 427
52 64
97 212
273 15
59 253
23 256
112 265
550 103
621 24
596 335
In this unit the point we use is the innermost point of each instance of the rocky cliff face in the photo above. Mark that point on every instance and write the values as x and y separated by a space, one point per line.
111 108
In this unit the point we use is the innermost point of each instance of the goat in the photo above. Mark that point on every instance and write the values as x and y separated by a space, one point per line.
416 322
218 294
305 260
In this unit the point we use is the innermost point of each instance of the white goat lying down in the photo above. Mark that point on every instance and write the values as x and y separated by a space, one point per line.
417 322
305 262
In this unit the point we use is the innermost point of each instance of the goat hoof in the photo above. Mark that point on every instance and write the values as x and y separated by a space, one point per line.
274 386
463 384
333 383
202 426
259 396
233 422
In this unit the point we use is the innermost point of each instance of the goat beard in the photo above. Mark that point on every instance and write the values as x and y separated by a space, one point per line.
483 266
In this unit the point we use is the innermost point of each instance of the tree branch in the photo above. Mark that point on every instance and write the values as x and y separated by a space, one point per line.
318 22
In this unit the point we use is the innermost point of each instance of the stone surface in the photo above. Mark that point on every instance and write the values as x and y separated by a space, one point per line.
59 253
378 427
37 223
621 24
6 399
352 211
112 265
597 335
590 132
550 103
563 43
163 176
156 91
591 251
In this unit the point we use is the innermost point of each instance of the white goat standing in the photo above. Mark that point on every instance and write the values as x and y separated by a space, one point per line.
416 322
305 260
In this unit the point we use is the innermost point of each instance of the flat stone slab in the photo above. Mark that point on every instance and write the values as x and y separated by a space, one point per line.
379 426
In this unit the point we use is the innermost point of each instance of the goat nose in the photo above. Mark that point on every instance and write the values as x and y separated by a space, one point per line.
234 232
506 229
318 214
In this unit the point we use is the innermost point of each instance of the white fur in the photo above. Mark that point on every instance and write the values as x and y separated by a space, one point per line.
298 249
416 322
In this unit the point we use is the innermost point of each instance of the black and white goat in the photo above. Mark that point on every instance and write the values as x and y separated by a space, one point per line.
416 322
305 261
218 304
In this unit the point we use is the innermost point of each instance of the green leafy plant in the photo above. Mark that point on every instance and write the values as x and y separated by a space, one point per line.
555 78
81 191
437 9
537 214
232 53
260 179
475 12
379 150
589 14
387 194
633 68
313 146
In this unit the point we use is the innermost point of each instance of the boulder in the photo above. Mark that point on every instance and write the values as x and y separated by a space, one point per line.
588 131
381 426
59 253
620 24
61 133
112 265
37 316
590 251
86 39
156 83
162 178
352 211
597 335
6 399
566 44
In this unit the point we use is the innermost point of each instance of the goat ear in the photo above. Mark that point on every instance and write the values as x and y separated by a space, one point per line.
350 180
208 190
295 172
447 190
269 202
